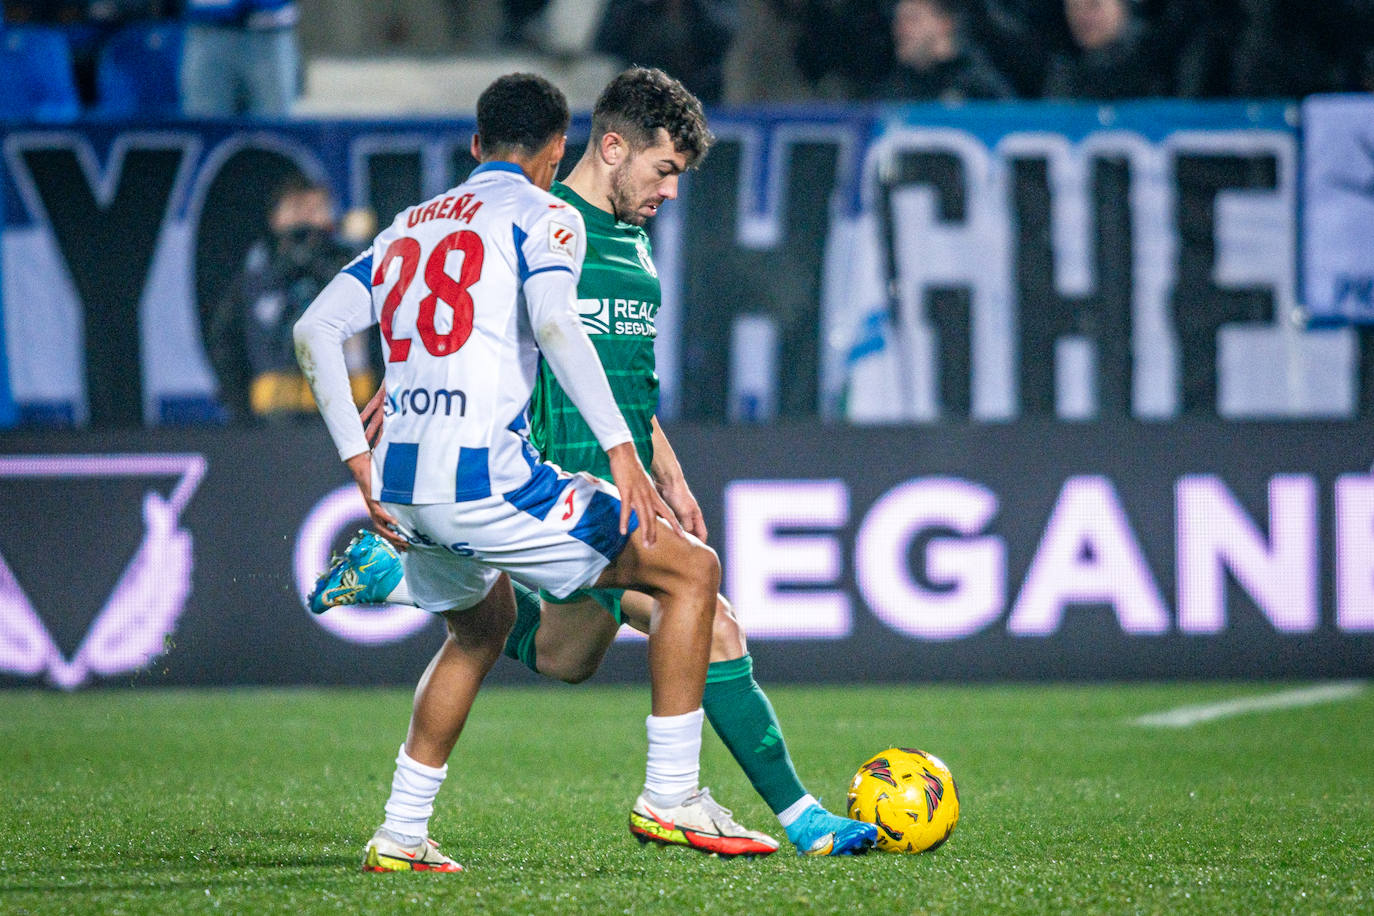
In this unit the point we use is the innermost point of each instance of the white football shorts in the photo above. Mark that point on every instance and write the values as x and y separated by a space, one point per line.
556 532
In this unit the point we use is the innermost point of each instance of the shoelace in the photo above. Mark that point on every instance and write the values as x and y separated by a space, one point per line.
713 807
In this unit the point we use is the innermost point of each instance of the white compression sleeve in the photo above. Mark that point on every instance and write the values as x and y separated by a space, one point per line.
550 297
342 309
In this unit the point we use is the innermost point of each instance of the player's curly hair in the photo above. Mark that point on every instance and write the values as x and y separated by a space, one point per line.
520 111
641 100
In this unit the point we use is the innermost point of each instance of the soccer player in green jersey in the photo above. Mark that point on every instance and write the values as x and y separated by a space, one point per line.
646 130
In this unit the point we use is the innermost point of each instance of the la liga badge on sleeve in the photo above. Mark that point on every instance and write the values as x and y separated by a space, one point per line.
561 239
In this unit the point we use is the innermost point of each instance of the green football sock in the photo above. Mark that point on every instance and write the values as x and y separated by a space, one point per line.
741 714
520 642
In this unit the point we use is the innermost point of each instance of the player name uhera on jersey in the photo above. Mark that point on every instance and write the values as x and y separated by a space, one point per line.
460 370
462 208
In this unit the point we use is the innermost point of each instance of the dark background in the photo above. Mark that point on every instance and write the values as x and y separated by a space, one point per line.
67 540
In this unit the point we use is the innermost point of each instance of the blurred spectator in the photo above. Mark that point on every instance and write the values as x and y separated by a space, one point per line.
240 58
934 60
516 19
761 65
565 29
1019 36
1190 42
250 337
1296 47
687 39
845 51
1110 58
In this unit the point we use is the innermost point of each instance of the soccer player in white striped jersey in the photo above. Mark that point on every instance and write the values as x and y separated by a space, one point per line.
469 290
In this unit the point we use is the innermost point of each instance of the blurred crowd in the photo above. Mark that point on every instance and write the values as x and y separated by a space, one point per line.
62 59
233 57
745 51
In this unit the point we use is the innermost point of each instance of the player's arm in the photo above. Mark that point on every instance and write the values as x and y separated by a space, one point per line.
550 296
342 309
672 484
551 251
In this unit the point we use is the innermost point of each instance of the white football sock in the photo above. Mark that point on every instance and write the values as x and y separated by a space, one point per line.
788 816
674 765
400 594
413 789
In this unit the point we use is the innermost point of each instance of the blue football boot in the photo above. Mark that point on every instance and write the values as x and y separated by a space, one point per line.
367 573
819 833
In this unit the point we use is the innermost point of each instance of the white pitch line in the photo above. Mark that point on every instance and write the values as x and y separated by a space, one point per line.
1186 716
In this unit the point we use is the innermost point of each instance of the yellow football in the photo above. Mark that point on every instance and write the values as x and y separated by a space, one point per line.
911 797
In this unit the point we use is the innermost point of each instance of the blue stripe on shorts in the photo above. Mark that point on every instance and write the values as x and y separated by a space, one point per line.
599 526
539 494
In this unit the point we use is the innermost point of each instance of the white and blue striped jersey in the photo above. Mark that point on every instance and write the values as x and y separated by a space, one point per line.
465 288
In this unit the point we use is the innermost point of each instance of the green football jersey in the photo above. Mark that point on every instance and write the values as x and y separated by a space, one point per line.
618 298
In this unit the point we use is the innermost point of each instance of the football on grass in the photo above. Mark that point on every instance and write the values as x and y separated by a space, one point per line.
911 797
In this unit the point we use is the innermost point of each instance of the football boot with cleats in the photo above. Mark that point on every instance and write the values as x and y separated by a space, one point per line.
697 822
366 573
819 833
386 853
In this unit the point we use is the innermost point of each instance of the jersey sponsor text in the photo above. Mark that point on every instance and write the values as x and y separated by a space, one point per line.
632 317
425 401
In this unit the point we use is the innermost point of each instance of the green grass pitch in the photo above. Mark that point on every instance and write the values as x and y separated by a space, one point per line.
258 801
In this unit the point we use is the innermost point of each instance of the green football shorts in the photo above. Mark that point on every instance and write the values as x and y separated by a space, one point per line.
608 598
520 642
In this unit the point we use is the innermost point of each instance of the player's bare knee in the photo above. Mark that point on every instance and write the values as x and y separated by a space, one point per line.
696 581
569 673
549 662
478 634
482 648
578 675
562 664
703 568
686 569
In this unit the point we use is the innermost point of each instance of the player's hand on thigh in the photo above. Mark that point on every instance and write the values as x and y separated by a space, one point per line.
674 557
360 466
638 494
386 525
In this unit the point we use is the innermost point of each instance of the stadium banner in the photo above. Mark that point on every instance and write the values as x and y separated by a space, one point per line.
1027 550
1078 262
982 261
1338 208
118 237
993 261
8 414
